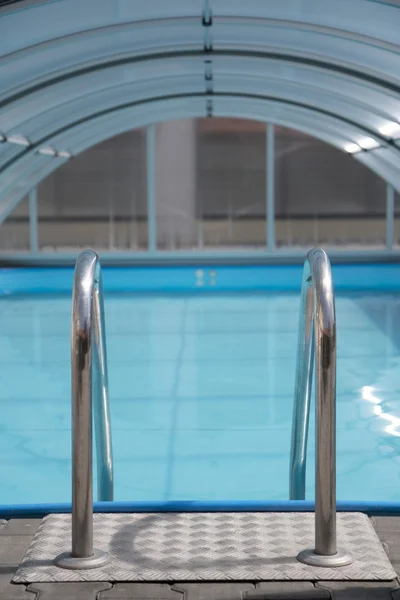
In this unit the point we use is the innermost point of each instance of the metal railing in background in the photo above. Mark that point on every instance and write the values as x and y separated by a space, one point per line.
317 335
89 402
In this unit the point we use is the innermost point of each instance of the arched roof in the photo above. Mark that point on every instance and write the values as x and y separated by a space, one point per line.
73 73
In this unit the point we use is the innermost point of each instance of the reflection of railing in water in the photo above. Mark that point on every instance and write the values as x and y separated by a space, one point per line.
89 396
317 330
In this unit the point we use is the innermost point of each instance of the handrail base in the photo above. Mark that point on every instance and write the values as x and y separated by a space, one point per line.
310 557
96 560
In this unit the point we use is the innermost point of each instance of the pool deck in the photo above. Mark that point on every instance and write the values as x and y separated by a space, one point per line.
16 535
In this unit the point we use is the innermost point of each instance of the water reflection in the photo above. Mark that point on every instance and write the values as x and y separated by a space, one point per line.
367 393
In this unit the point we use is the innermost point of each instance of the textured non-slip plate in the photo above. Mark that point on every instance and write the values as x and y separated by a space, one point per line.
205 546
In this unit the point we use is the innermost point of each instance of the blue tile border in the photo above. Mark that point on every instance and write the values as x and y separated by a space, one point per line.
39 510
199 280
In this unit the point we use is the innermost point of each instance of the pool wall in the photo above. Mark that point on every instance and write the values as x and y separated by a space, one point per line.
201 279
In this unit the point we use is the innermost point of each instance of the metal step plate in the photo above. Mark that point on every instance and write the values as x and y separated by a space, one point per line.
205 546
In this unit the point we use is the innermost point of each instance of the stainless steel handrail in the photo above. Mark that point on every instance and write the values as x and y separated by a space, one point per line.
317 329
89 399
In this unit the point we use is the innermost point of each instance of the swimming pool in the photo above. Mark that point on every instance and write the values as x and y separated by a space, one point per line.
201 368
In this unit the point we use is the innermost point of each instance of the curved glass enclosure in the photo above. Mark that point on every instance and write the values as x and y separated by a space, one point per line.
223 188
193 127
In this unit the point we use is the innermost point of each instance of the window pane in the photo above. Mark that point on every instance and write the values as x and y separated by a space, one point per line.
97 199
15 229
210 183
324 196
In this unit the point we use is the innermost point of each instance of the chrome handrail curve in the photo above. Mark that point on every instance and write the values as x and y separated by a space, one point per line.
317 339
89 403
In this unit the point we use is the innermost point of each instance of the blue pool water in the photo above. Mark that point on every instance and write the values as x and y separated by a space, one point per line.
201 390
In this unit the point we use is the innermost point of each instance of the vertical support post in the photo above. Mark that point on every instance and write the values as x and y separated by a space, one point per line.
389 216
151 189
325 418
318 319
88 354
33 221
110 196
207 11
270 212
111 224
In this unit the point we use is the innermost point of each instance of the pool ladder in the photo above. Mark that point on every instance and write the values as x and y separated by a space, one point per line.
316 341
89 397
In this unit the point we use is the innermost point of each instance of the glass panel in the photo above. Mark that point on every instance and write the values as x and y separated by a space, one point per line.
15 229
324 196
210 184
98 199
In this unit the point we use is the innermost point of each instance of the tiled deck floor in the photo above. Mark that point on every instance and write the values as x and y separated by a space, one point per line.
16 535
